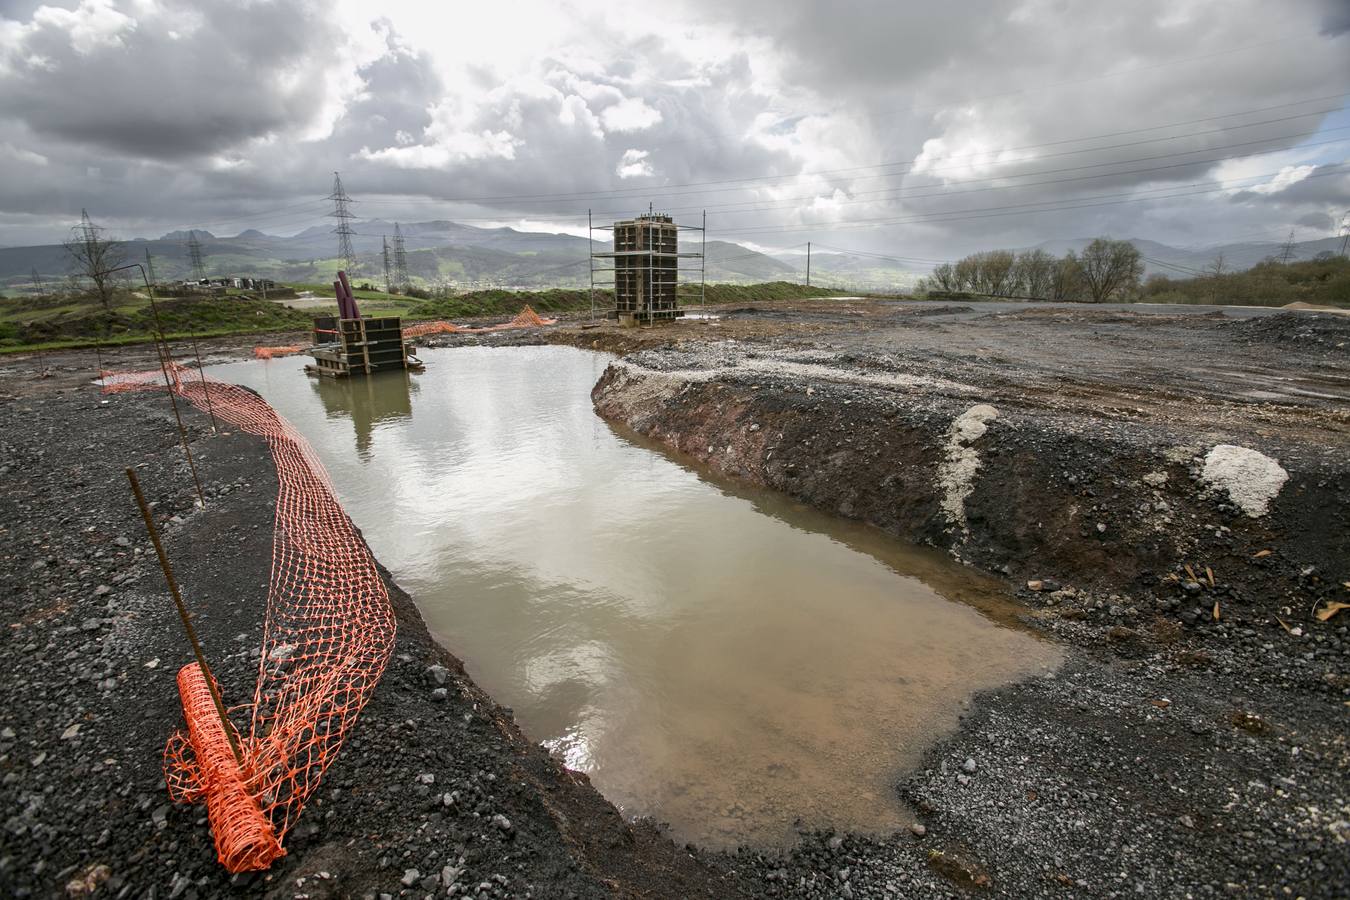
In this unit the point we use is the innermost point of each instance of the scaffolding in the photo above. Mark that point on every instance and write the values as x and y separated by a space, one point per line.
645 269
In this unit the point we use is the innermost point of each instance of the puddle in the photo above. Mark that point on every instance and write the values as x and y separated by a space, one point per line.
718 658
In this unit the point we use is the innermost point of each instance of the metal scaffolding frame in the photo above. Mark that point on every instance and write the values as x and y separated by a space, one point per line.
647 275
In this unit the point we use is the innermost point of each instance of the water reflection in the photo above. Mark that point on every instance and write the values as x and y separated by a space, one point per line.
718 658
367 402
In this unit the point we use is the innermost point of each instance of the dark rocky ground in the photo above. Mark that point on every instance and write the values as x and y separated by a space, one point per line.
1195 742
435 791
1172 755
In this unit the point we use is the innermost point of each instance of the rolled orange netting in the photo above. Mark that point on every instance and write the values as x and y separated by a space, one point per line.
327 635
269 352
244 837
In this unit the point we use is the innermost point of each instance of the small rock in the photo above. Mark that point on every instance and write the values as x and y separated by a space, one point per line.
438 673
835 842
410 877
1035 584
918 830
501 822
968 765
71 732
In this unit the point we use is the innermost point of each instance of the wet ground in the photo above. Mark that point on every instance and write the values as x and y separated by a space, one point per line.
1193 744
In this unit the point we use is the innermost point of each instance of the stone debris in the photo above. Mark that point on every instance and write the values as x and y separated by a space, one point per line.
1250 478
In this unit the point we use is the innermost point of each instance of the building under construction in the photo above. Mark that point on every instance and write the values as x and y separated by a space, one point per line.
646 269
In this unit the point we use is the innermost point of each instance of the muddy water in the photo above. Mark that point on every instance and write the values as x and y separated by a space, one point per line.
719 659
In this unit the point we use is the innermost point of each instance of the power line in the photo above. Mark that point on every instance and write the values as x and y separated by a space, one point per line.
400 259
388 276
961 215
905 165
194 249
344 216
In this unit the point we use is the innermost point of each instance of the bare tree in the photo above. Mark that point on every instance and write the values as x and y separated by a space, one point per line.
95 256
996 273
944 277
1216 267
1066 281
1035 273
1110 269
966 273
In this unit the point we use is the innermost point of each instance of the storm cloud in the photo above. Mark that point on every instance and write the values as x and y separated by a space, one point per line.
924 130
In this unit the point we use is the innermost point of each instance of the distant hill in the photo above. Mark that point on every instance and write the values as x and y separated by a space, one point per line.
437 250
1169 260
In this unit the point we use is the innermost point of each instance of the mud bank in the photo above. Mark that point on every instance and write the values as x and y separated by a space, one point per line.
1178 535
1165 517
435 792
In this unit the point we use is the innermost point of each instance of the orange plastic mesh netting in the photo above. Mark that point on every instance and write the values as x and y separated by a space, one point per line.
526 318
269 352
327 636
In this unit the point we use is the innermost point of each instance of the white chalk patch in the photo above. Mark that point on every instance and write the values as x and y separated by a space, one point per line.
1251 479
956 474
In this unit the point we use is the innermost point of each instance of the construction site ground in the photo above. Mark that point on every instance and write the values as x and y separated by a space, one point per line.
1193 743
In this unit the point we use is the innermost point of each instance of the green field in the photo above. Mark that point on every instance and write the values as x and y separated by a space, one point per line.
54 322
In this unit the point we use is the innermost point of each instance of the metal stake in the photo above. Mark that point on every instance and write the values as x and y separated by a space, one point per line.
205 390
187 620
182 432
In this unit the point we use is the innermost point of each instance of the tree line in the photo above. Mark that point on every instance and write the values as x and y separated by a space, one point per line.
1106 270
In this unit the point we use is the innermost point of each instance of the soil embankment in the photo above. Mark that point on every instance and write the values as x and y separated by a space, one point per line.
1167 494
1175 752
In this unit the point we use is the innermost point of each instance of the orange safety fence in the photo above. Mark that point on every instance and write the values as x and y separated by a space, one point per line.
269 352
327 635
526 318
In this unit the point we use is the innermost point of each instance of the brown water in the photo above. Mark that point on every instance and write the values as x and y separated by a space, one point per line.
715 657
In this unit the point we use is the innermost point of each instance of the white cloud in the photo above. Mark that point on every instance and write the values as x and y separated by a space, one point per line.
1287 177
92 24
630 114
634 164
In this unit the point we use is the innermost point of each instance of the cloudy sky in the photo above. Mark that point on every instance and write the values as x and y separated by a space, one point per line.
923 130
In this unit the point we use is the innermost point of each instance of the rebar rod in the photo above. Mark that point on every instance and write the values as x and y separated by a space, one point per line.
164 358
205 389
187 620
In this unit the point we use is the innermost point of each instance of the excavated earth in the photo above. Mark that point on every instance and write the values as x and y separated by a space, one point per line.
1193 743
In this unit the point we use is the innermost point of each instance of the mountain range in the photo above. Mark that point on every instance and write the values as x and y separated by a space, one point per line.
466 255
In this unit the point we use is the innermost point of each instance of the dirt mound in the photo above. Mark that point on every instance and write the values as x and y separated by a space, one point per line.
1317 331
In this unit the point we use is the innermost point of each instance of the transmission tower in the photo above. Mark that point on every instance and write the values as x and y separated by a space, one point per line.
388 275
400 260
194 248
150 268
37 283
1345 231
342 212
1287 251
